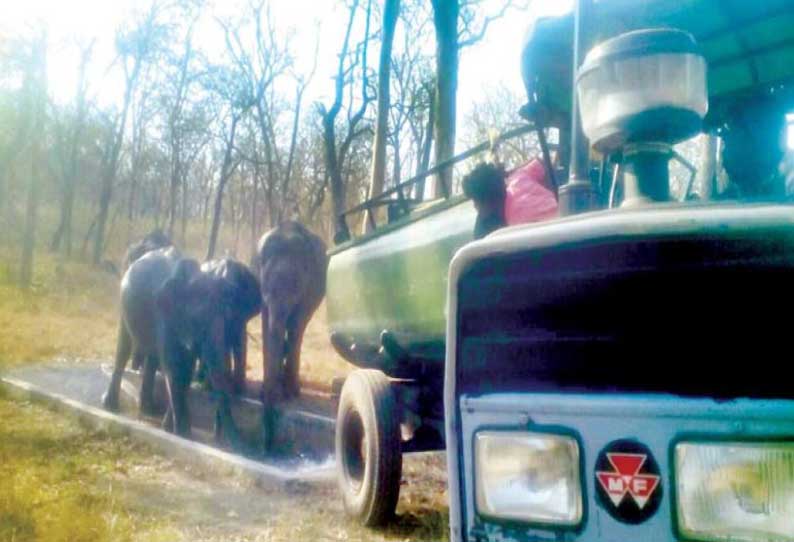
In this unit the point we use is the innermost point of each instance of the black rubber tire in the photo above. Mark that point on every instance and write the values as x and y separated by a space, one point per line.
368 448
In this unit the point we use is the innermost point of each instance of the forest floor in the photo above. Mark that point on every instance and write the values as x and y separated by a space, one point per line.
63 481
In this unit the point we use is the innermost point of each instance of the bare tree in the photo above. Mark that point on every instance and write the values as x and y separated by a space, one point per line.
14 125
497 112
445 21
259 65
391 12
456 24
302 83
229 87
181 86
336 154
134 47
228 167
69 133
35 93
412 95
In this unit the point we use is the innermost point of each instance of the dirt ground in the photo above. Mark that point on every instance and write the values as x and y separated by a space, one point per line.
61 481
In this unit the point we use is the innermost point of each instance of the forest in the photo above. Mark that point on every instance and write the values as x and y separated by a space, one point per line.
216 140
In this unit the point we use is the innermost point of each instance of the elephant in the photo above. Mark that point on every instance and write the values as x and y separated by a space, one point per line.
172 313
246 304
152 241
291 264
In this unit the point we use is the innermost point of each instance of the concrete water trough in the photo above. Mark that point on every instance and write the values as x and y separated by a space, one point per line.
303 436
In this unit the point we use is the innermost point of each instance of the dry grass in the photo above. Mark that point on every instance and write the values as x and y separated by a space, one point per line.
63 482
70 312
55 481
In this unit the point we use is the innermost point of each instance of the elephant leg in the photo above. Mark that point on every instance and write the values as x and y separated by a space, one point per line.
123 351
181 384
295 331
177 366
273 335
147 385
225 426
240 351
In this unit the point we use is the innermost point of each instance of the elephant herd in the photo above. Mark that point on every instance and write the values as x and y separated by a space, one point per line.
176 312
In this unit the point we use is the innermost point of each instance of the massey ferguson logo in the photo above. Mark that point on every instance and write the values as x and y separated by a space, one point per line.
628 481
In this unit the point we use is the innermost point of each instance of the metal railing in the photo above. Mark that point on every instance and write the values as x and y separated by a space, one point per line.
400 193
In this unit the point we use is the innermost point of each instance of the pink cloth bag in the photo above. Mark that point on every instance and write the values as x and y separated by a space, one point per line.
529 198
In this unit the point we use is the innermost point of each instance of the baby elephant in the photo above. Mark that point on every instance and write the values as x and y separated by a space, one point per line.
246 303
172 313
291 264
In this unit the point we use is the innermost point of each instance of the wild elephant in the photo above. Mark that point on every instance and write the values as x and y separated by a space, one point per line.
171 314
246 303
291 264
153 240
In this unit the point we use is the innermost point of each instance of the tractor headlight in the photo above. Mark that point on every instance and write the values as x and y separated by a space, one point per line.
530 477
735 491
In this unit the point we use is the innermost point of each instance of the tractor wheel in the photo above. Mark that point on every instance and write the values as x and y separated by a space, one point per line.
368 447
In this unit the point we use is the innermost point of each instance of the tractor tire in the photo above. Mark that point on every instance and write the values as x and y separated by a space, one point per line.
368 447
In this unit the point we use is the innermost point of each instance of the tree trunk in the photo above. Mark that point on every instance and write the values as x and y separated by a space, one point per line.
445 21
255 212
109 177
173 194
68 228
62 239
31 214
237 218
216 219
38 97
62 242
226 172
335 176
106 194
332 163
131 205
391 11
184 211
293 141
12 177
397 166
427 145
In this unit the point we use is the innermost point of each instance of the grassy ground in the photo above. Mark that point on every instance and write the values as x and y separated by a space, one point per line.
63 482
60 481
